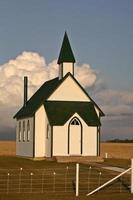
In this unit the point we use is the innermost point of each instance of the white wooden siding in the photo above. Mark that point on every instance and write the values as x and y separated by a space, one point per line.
42 144
69 90
24 148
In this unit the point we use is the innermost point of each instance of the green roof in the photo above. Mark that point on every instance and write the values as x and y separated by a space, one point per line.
43 93
38 98
66 54
59 112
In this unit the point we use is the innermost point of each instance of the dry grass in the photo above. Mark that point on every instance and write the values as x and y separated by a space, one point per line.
114 150
9 162
7 148
117 150
97 196
12 164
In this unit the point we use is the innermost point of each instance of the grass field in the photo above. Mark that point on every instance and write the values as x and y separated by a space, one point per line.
119 155
114 150
8 148
117 150
12 165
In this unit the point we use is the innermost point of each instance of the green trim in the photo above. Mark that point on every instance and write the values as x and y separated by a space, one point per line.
51 141
73 69
101 112
98 140
43 93
64 78
59 112
61 70
34 136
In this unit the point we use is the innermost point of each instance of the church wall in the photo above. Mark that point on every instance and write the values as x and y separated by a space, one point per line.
41 143
60 139
23 146
69 91
90 141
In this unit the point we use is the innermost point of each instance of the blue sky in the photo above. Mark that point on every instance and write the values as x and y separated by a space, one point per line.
100 32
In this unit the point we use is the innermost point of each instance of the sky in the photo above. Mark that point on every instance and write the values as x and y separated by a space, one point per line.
101 36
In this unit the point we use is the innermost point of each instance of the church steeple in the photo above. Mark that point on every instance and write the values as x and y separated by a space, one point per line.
66 58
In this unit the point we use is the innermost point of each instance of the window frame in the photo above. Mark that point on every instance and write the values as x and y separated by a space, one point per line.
75 122
19 131
28 130
24 132
48 131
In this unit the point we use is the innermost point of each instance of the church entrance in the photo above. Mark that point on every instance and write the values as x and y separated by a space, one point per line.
75 137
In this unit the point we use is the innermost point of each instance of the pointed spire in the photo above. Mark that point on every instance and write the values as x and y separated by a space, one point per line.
66 54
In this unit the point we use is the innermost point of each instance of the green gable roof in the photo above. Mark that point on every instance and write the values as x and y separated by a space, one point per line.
38 98
59 112
43 93
66 54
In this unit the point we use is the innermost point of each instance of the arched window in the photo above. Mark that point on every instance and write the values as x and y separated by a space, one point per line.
23 130
75 122
19 131
28 130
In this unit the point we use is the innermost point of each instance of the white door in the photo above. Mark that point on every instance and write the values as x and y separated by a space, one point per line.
75 137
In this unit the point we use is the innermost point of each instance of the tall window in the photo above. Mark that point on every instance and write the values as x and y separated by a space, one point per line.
28 131
23 130
75 122
19 131
48 130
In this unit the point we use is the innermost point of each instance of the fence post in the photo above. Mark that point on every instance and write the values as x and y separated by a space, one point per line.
7 191
132 175
77 179
20 173
31 174
106 155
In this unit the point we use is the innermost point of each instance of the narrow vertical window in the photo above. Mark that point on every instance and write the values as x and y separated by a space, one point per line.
47 134
19 131
23 130
28 131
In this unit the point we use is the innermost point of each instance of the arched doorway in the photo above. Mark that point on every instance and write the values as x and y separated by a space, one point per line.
75 137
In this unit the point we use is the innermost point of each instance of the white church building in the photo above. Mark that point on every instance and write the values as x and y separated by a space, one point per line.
60 119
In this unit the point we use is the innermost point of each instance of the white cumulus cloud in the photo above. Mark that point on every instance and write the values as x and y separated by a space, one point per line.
34 66
116 103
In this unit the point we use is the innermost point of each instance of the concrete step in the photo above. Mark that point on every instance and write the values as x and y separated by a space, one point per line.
80 159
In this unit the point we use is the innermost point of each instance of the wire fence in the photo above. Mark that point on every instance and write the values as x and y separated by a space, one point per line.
61 180
37 180
92 178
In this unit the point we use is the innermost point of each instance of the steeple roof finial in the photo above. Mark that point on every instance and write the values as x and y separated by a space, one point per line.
66 54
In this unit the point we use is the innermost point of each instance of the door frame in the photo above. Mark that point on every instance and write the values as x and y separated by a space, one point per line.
81 135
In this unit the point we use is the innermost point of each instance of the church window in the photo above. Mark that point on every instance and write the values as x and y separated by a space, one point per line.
23 130
28 130
48 130
75 122
19 131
